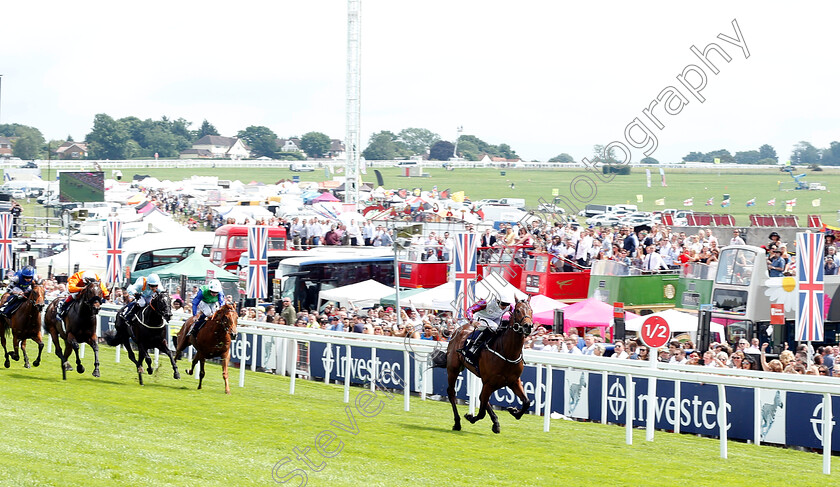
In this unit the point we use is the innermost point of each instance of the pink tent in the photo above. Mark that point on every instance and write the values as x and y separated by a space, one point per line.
325 197
589 313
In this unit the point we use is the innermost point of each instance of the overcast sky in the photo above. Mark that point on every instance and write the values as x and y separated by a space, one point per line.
544 77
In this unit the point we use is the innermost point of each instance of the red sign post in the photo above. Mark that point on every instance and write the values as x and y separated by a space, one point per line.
777 314
618 310
655 332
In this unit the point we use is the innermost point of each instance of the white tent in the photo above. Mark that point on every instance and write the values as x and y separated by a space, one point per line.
362 294
443 297
679 322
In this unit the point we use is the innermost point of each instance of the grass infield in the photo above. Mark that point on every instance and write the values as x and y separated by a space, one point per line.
111 431
742 184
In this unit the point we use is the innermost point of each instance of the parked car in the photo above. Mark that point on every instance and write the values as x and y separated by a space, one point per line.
29 165
18 194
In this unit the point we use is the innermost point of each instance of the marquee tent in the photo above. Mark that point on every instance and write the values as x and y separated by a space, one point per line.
589 313
362 294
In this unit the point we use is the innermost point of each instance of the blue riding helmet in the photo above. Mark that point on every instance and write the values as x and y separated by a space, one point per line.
28 272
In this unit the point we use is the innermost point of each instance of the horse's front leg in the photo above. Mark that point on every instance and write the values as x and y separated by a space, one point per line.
517 389
40 343
6 363
225 360
25 357
73 346
452 375
15 346
141 353
95 347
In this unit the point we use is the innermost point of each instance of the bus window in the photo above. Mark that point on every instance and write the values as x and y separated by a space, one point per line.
276 243
240 242
205 251
155 258
735 267
220 241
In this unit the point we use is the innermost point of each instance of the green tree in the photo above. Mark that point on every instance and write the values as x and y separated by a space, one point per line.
767 151
695 157
206 128
419 141
385 145
467 149
748 157
160 141
562 158
598 154
805 153
441 150
506 152
29 142
722 154
649 160
108 139
261 140
315 144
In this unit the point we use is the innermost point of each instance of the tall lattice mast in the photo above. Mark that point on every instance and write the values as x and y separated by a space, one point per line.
353 100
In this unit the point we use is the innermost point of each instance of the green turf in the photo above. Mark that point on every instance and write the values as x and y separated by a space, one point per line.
111 431
742 184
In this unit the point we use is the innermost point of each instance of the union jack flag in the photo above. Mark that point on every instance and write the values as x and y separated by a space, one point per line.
114 254
466 271
809 314
6 226
257 262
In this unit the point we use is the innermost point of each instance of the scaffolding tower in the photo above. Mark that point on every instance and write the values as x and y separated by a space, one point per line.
353 105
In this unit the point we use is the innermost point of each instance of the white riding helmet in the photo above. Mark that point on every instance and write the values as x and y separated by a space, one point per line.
153 280
215 286
90 276
506 296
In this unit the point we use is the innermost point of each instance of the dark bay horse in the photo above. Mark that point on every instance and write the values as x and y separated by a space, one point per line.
25 324
500 365
213 340
148 330
79 327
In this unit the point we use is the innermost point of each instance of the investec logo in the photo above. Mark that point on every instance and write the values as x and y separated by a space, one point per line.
692 409
361 369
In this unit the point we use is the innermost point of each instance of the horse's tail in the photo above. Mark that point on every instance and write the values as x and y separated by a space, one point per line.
115 336
438 359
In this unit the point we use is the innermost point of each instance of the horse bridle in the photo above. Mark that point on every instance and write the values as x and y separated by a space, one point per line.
29 296
522 327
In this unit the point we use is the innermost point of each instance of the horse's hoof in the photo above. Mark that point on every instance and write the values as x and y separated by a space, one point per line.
7 364
27 366
189 371
470 418
95 372
36 363
67 366
80 369
177 376
15 357
497 429
150 371
456 427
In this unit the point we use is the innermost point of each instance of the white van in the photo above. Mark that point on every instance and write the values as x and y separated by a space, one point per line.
514 202
302 167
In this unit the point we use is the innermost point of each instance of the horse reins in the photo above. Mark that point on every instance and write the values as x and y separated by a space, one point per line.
515 327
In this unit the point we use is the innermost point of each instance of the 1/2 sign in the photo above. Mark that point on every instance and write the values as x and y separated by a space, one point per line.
655 332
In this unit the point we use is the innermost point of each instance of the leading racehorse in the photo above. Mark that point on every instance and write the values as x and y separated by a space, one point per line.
500 364
25 324
148 330
79 326
213 340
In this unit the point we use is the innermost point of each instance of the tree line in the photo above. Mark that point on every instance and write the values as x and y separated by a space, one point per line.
133 138
386 145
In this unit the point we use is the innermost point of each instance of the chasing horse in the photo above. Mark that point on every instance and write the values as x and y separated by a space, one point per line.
74 319
20 311
144 322
495 357
210 331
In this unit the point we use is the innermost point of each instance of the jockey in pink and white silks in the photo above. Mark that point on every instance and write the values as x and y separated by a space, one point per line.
487 315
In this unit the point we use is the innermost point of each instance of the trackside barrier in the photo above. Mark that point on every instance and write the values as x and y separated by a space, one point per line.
785 409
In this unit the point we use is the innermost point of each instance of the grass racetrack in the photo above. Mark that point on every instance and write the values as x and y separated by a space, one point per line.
111 431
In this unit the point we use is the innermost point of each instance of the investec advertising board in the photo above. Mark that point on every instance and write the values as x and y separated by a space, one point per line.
786 417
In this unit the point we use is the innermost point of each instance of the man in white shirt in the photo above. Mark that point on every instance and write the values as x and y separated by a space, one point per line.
653 261
618 350
736 238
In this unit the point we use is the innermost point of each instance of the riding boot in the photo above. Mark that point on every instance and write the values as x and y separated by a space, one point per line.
197 326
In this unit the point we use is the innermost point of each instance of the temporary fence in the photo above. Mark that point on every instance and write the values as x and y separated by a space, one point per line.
759 407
